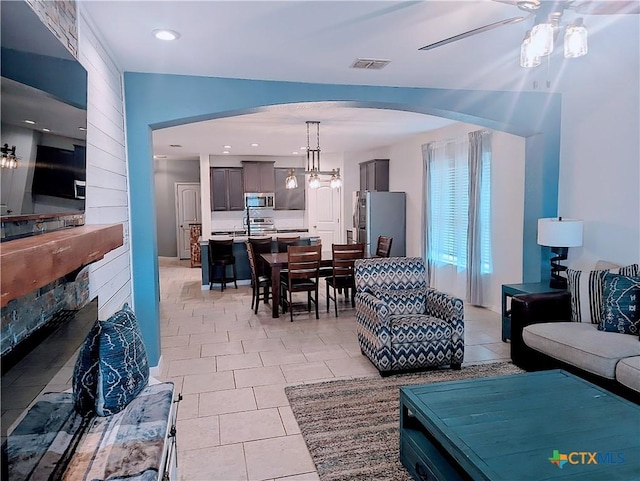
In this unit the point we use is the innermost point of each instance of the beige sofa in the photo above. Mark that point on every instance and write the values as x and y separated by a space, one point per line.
544 335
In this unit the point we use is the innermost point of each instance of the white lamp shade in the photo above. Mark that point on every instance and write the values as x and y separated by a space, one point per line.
559 232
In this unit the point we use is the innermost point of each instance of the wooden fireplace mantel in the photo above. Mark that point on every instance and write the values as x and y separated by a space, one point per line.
32 262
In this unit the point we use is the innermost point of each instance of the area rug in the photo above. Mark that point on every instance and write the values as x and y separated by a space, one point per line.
351 427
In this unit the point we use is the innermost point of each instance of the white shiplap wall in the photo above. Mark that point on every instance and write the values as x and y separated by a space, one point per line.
107 199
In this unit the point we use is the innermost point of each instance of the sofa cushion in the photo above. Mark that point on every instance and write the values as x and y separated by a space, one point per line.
586 289
582 345
53 441
112 367
628 372
402 301
621 308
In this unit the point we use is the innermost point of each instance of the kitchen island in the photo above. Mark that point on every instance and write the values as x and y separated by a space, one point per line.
240 251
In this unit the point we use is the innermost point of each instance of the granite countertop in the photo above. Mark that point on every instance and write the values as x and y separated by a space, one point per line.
241 236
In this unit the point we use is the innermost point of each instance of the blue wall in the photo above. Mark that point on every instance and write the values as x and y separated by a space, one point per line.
155 101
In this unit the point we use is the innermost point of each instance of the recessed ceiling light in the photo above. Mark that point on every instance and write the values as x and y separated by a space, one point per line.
159 156
46 130
254 145
304 147
164 34
227 146
84 129
295 152
30 122
225 151
175 145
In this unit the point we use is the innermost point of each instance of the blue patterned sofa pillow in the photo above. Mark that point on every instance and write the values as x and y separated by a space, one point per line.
112 366
621 306
402 301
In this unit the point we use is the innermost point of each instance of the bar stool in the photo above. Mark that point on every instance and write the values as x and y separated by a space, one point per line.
220 257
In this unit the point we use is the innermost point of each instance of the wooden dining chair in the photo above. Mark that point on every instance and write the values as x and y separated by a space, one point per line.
261 245
383 248
284 242
343 257
260 284
302 276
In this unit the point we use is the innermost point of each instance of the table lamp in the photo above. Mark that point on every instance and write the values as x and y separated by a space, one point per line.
559 234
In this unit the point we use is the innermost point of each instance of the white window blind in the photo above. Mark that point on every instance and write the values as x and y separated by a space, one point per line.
449 205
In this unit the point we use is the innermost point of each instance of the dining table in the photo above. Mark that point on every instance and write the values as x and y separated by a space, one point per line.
278 261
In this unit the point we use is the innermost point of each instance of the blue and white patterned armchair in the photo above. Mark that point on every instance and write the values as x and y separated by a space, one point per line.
402 323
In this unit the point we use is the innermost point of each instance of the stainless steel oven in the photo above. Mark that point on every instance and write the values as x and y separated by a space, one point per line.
259 200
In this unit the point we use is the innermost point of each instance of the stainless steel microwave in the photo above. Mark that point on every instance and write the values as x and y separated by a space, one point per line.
259 201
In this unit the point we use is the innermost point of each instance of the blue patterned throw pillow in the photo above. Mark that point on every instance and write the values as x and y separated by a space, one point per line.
85 373
112 366
621 307
402 301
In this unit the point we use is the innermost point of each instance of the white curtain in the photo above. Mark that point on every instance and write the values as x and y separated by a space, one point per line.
456 221
478 259
425 210
446 232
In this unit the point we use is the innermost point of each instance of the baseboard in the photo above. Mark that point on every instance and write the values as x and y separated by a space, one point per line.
156 370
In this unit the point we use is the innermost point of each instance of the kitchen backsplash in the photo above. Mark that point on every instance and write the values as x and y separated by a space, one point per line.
282 219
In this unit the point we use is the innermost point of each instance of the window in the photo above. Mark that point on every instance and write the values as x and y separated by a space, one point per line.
449 204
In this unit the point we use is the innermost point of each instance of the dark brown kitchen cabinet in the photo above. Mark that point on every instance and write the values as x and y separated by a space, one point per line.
227 188
289 199
259 176
374 175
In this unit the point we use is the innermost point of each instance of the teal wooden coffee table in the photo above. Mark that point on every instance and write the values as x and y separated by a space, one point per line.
535 426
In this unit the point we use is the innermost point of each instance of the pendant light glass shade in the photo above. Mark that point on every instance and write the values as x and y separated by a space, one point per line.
527 58
314 181
541 39
291 182
336 181
575 40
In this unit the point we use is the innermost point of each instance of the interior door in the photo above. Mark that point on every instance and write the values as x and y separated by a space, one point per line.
187 212
325 206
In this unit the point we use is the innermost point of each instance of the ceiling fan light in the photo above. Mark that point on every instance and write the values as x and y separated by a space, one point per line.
527 58
541 39
575 41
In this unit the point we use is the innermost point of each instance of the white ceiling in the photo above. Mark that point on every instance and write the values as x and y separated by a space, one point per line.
317 41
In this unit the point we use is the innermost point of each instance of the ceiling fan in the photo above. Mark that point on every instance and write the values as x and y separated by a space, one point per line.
548 14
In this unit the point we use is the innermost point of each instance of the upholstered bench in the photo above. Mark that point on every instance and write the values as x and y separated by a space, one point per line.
54 442
116 423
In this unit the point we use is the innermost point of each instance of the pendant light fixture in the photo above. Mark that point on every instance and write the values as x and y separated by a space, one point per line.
313 164
9 159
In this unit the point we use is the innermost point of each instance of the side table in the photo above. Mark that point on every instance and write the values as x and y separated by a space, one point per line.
510 290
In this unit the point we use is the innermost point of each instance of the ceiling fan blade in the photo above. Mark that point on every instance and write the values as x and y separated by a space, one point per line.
475 31
508 2
613 7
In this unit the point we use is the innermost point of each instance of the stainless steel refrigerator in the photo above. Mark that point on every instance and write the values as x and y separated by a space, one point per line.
381 213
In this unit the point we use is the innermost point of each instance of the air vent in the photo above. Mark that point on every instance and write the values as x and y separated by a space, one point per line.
370 63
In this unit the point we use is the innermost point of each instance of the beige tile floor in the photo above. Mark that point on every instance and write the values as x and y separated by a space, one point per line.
231 367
